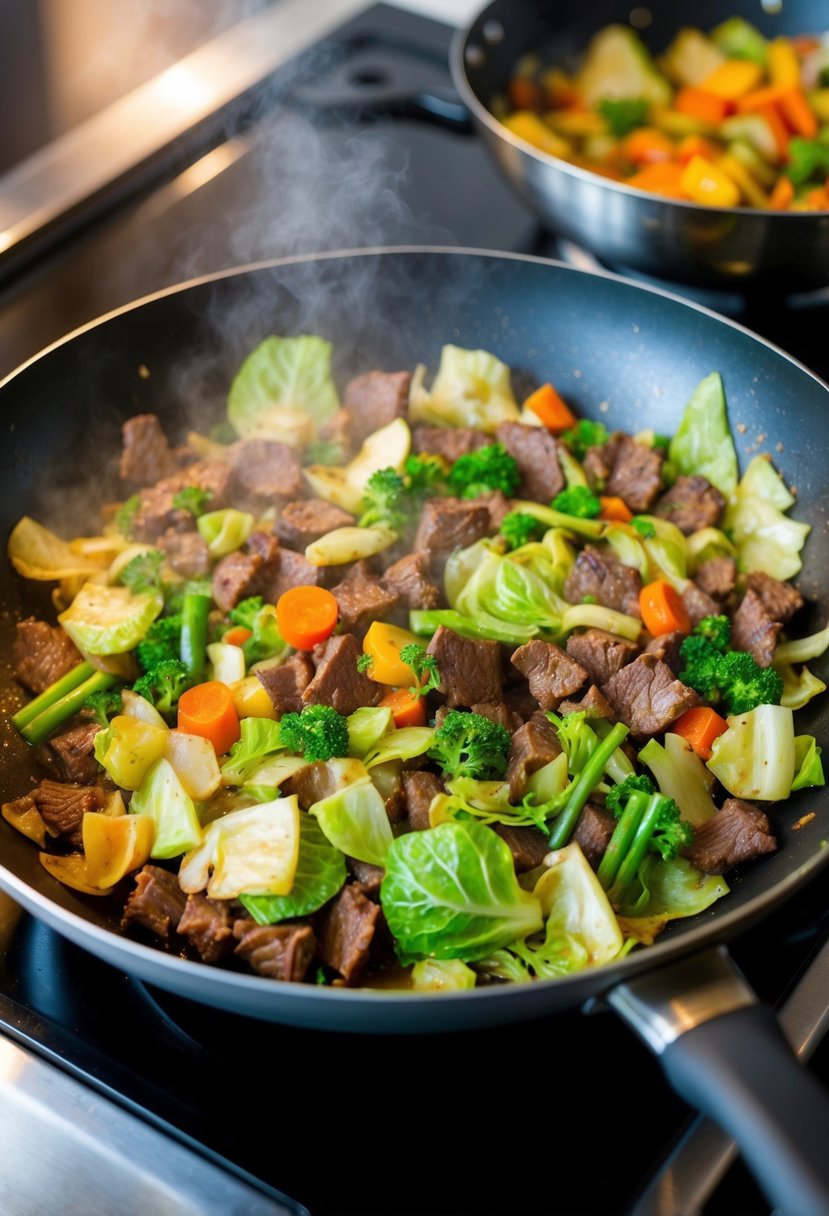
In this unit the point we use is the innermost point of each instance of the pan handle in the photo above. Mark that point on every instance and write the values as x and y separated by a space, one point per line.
723 1051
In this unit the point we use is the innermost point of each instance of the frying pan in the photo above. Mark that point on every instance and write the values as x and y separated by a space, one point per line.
625 353
736 248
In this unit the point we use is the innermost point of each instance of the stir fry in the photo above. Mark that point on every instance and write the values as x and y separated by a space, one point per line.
429 686
725 118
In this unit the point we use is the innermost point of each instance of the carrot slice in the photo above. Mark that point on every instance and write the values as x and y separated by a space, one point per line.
383 643
552 409
779 130
664 177
700 726
695 145
782 194
708 107
799 114
407 708
662 609
208 710
758 99
237 636
306 615
615 508
648 146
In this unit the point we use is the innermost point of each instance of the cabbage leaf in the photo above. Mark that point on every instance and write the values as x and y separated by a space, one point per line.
755 757
666 890
354 820
320 872
765 537
471 388
259 738
281 374
702 442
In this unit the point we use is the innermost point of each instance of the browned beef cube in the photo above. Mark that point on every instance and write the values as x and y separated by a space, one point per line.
348 930
187 552
362 600
265 472
311 783
647 696
499 712
337 430
450 442
592 832
551 673
605 579
519 698
207 924
409 579
717 577
691 503
780 600
534 451
42 653
156 510
278 952
266 546
447 524
738 832
598 465
74 752
303 522
146 456
337 681
752 629
601 654
498 505
420 788
286 683
697 603
62 806
533 745
374 400
236 576
528 846
368 877
637 473
667 647
593 704
156 902
469 670
292 570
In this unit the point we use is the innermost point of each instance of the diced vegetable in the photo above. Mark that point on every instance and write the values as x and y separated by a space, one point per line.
208 710
109 620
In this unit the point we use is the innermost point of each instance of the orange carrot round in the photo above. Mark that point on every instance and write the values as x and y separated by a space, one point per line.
207 709
662 609
237 636
699 727
615 509
553 411
306 616
407 708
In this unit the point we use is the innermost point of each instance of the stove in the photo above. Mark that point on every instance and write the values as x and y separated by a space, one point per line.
363 120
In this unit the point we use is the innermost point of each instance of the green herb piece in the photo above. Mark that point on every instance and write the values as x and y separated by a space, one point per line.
193 499
624 114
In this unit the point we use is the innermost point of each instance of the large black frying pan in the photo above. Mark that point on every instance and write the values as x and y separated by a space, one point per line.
733 247
624 353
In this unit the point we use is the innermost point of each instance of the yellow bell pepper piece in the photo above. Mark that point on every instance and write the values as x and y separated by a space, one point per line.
114 845
733 79
784 66
383 644
748 187
527 125
250 699
704 182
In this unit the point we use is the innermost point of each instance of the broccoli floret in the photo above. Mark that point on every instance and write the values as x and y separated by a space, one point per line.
519 529
104 704
578 501
383 500
624 114
425 474
163 684
245 611
647 822
716 630
808 159
717 673
143 572
618 795
644 527
424 666
125 515
317 733
670 832
488 468
162 641
701 661
585 434
744 684
469 745
364 661
193 499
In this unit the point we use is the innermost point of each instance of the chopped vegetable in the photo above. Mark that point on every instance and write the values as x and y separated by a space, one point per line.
59 710
109 620
487 468
192 499
700 726
142 572
193 641
282 374
423 665
470 745
306 616
382 658
104 704
578 501
318 732
551 408
207 709
662 609
518 529
585 434
163 684
407 707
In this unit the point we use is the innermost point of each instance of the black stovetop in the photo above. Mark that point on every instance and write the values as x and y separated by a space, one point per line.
568 1114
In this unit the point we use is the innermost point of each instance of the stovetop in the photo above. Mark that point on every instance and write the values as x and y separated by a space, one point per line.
360 143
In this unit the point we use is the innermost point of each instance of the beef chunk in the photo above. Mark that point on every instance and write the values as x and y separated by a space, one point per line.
279 952
717 577
667 647
500 712
592 832
236 576
450 442
447 524
534 450
738 832
362 600
408 578
697 603
647 696
347 933
146 456
266 473
498 505
337 429
312 783
156 902
605 579
156 511
754 630
62 806
528 846
470 670
301 523
637 473
601 654
691 503
74 752
337 681
266 546
207 924
375 399
286 682
551 672
598 465
593 704
420 788
41 654
187 552
292 570
780 600
368 877
533 745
